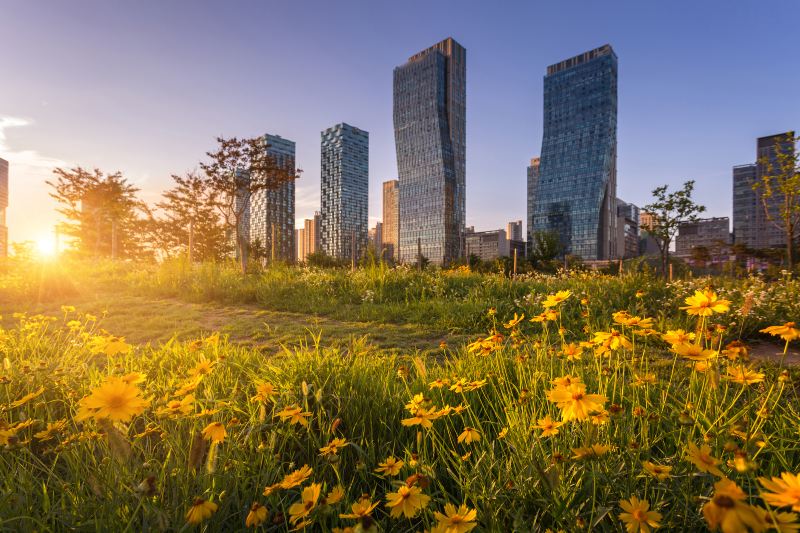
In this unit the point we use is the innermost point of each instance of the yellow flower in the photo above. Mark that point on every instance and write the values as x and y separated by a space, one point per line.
439 383
361 509
514 321
660 472
407 501
178 407
705 303
553 300
693 352
728 511
333 447
548 315
678 336
202 368
256 516
28 397
422 417
645 379
308 500
548 426
295 415
703 460
52 429
133 378
390 467
610 341
566 381
200 510
469 435
571 351
787 332
215 432
335 495
455 520
264 392
736 350
296 478
780 522
744 376
574 403
637 516
113 399
785 490
622 317
502 434
590 452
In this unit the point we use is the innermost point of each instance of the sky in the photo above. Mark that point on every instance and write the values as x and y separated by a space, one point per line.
145 88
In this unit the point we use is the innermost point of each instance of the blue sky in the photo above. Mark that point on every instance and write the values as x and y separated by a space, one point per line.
144 87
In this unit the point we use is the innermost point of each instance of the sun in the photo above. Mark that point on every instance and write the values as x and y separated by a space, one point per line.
46 247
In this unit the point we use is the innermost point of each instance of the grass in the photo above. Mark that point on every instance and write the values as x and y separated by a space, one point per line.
359 381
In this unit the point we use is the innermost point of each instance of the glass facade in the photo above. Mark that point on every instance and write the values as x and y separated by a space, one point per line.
344 191
533 180
575 194
746 206
430 139
391 218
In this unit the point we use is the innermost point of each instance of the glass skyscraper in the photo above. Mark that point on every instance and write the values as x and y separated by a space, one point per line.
344 191
575 194
533 180
430 139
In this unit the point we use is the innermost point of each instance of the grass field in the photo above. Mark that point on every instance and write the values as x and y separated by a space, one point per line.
143 397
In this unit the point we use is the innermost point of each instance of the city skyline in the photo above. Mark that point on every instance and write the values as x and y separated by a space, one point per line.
48 117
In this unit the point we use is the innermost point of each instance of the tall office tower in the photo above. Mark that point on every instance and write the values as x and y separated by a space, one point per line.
430 139
376 238
3 206
514 230
268 221
751 225
391 218
627 230
575 195
344 188
533 180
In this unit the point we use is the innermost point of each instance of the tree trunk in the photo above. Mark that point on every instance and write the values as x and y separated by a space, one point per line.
790 248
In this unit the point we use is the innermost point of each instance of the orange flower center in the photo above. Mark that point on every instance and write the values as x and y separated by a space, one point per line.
639 515
724 501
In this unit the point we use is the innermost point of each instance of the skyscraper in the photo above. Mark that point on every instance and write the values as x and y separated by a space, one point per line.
344 191
575 194
751 225
430 139
270 213
391 218
533 180
514 230
308 237
3 206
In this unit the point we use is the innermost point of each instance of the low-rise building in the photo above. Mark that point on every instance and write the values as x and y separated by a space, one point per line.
488 245
709 233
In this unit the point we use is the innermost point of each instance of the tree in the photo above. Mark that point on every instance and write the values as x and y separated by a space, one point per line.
545 246
238 170
192 220
780 181
669 211
701 255
102 212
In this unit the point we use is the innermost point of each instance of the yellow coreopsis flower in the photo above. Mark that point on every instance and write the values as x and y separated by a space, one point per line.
390 467
705 303
728 511
28 397
455 520
308 500
744 376
256 516
660 472
785 490
296 478
407 501
553 300
566 381
644 379
606 342
177 407
333 447
200 510
694 352
264 392
202 368
678 336
215 432
295 415
334 496
469 435
422 417
705 462
548 426
787 331
590 452
574 402
571 351
514 321
114 400
638 517
360 510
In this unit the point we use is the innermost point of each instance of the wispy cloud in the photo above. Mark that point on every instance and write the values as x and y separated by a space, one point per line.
23 161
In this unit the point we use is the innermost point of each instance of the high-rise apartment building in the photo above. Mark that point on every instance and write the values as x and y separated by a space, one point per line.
3 207
268 216
514 230
753 225
307 237
430 139
344 191
376 238
575 195
627 230
533 181
391 218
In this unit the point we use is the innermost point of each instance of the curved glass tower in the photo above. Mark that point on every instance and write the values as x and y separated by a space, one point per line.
575 194
430 138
